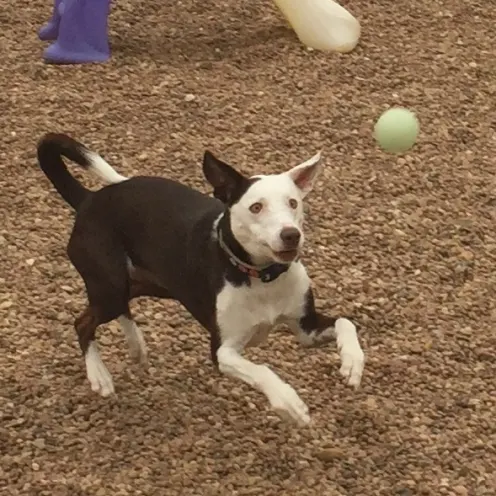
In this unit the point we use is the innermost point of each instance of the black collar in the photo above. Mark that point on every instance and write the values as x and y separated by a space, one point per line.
266 273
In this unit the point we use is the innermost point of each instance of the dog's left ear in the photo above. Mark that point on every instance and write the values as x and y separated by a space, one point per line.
229 185
304 175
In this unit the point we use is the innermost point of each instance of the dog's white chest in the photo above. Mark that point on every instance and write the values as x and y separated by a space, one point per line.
246 314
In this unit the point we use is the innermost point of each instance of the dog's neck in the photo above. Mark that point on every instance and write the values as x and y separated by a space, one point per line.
241 259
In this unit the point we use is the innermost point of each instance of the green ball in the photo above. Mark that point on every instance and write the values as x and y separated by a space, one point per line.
396 130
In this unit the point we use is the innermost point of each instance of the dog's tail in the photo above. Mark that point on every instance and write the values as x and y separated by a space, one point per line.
52 147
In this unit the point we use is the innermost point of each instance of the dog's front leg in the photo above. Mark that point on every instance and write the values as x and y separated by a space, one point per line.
283 398
312 328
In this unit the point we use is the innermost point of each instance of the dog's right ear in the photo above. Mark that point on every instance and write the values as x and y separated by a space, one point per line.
229 185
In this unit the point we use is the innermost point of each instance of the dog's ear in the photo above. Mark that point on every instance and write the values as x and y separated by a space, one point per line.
304 175
229 185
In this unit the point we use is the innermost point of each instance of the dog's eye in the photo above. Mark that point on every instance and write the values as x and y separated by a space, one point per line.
255 208
293 203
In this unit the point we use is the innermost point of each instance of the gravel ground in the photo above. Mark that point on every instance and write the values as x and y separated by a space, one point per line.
406 245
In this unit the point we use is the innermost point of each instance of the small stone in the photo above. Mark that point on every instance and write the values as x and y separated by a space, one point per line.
330 454
189 97
404 491
371 403
461 490
466 255
39 443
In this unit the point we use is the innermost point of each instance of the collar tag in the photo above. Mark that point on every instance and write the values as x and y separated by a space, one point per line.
272 272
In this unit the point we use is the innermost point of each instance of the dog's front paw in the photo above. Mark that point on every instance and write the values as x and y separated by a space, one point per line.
352 363
350 351
288 405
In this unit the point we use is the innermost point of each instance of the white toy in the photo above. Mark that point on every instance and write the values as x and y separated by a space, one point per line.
321 24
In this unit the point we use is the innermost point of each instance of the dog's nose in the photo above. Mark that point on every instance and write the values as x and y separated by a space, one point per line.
290 237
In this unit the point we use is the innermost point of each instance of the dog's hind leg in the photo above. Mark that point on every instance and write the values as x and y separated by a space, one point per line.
134 336
100 260
96 371
135 339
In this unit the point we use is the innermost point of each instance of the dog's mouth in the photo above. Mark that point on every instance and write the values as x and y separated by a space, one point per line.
286 255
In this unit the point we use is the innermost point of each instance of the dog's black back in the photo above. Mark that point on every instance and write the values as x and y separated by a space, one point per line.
186 261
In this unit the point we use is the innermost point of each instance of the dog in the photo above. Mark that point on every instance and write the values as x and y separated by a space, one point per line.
232 259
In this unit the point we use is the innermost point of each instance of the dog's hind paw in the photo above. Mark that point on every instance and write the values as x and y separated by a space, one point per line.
137 345
98 375
138 354
136 341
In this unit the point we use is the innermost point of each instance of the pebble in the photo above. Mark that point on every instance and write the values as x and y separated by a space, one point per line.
39 443
327 455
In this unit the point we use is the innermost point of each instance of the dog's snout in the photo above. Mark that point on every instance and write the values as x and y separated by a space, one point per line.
290 237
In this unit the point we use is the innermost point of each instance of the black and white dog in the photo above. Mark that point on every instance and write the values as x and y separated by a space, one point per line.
232 261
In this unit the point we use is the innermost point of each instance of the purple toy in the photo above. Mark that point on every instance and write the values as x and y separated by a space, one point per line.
50 30
80 30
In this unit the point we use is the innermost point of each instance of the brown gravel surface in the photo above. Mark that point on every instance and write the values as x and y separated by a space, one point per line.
406 245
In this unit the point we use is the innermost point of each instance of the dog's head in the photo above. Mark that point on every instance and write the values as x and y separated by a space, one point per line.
266 211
